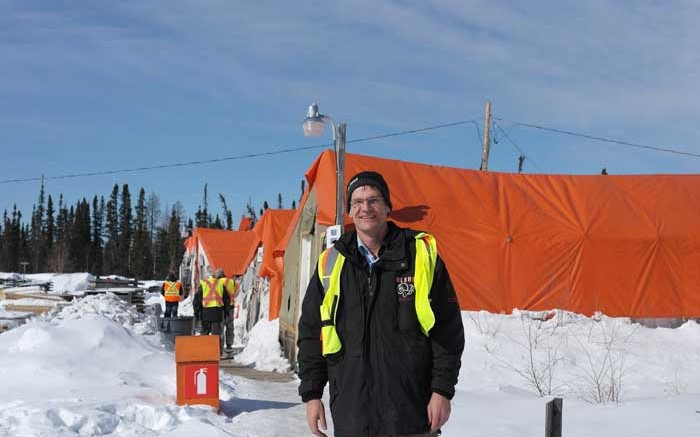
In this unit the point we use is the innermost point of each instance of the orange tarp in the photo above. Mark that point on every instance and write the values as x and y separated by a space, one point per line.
230 250
623 245
245 223
234 250
271 229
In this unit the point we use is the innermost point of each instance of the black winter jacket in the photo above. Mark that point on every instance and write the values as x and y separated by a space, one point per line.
382 378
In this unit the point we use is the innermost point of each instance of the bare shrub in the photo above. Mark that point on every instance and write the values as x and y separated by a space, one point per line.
540 355
489 328
676 385
600 377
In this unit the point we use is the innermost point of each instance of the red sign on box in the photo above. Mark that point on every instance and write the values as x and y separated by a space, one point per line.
201 380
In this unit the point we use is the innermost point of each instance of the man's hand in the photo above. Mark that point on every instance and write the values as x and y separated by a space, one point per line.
438 411
316 412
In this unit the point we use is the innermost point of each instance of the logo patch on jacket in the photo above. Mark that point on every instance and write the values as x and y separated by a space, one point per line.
404 286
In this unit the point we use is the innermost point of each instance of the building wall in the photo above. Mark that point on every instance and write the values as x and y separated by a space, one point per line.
291 294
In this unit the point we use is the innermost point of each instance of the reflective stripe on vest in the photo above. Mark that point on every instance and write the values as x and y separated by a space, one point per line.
330 264
212 293
426 258
172 291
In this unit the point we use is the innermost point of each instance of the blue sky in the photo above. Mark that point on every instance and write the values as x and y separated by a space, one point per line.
90 86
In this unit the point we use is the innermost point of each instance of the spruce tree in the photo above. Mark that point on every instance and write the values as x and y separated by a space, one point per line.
251 213
11 240
60 252
160 253
25 251
228 217
175 242
202 217
229 220
37 235
111 252
79 240
125 232
96 237
141 262
153 212
169 246
49 226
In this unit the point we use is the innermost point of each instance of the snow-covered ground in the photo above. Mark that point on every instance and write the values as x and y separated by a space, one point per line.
96 367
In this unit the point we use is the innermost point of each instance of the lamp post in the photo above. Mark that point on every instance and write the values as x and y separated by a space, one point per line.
313 127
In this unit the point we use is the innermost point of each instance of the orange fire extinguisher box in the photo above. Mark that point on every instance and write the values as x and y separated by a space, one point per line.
197 361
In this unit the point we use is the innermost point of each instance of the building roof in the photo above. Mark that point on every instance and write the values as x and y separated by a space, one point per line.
230 250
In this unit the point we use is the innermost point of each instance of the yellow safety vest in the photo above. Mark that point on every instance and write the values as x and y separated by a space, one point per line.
212 293
330 264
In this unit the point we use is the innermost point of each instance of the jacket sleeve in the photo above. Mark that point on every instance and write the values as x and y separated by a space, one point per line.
447 335
162 289
197 302
313 370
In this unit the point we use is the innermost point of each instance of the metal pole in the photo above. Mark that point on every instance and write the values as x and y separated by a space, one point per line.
340 178
487 141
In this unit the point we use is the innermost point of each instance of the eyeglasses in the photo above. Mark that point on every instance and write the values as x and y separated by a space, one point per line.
371 202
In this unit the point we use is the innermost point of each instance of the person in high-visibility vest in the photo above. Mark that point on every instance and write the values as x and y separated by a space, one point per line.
381 325
172 293
210 304
231 288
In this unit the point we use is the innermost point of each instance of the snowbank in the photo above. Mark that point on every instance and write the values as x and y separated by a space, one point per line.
263 350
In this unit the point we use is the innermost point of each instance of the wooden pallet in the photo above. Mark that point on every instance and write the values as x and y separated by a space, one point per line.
36 309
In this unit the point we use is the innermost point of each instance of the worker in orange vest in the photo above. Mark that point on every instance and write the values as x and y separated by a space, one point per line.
210 304
172 292
231 288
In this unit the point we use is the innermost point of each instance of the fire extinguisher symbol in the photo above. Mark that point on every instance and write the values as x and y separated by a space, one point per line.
200 380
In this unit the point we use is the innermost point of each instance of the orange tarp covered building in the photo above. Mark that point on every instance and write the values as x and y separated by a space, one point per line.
234 250
230 250
622 245
270 230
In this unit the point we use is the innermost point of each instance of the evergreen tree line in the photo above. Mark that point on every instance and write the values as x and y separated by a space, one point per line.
107 237
100 237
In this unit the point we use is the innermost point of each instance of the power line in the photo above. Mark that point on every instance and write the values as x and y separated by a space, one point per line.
155 167
505 134
414 131
232 158
607 140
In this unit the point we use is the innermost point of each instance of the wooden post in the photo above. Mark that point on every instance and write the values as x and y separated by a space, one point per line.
487 141
552 421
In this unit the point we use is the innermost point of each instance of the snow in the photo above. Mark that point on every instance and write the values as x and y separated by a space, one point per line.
263 351
96 367
63 283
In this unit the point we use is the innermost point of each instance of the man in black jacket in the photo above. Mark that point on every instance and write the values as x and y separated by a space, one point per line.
391 339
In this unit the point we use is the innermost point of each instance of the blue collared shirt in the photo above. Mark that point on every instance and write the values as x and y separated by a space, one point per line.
369 256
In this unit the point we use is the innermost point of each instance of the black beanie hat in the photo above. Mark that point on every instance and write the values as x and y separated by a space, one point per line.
367 178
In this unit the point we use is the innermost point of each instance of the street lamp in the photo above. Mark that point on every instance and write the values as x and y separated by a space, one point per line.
313 127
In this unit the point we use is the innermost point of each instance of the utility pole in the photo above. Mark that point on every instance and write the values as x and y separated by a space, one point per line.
340 177
487 141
